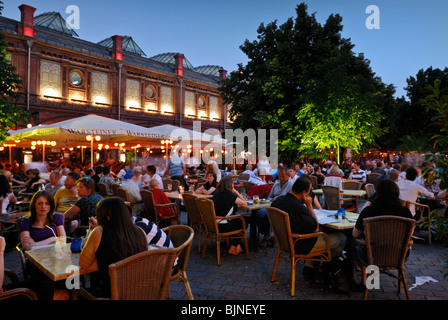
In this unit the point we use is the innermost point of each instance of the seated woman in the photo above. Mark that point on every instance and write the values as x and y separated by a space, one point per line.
115 239
334 177
386 202
34 181
85 207
226 200
6 194
161 198
41 226
210 186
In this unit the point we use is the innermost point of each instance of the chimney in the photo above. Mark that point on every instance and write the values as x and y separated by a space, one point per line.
222 74
26 25
179 62
117 47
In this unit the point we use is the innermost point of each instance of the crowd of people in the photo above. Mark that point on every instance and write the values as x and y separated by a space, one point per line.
65 198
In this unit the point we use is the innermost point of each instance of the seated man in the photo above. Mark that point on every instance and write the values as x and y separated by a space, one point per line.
108 179
357 173
65 197
298 204
55 182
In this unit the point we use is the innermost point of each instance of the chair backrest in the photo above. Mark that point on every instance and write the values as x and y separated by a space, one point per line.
149 205
182 238
370 189
143 276
280 224
244 176
332 197
123 193
206 208
314 182
114 188
248 185
351 185
175 184
166 182
373 178
1 206
102 187
192 209
387 240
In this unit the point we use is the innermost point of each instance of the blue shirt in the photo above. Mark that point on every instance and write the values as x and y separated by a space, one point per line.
176 167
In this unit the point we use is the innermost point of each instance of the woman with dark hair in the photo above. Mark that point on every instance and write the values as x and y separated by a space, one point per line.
85 207
115 238
210 186
6 194
41 225
226 200
386 202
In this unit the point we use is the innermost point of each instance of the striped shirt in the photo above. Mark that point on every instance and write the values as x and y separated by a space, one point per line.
154 235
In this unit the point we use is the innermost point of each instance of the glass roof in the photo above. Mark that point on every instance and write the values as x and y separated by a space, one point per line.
169 58
54 21
209 69
129 45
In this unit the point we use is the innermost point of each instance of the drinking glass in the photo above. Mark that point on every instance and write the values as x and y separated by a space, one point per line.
170 187
256 199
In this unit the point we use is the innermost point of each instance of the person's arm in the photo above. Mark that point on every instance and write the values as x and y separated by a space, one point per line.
40 181
28 242
317 204
239 199
209 191
200 190
87 260
12 198
424 192
357 233
2 262
309 205
72 213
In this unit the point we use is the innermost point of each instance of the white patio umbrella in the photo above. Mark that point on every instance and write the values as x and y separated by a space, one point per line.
74 131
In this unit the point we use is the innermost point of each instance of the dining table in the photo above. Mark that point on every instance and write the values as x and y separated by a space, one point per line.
344 192
57 266
176 195
11 218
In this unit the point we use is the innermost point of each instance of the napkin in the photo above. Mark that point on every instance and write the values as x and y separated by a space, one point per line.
421 280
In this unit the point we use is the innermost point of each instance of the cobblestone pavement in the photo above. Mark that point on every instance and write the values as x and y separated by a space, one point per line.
239 278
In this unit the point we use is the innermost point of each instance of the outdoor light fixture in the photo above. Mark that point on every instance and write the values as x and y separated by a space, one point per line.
91 138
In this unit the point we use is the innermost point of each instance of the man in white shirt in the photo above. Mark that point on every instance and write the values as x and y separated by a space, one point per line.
357 173
409 190
151 173
249 171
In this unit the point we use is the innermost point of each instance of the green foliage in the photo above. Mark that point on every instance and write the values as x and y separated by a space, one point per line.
10 115
303 78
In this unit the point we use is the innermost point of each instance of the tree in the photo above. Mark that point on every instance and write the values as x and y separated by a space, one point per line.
298 74
10 115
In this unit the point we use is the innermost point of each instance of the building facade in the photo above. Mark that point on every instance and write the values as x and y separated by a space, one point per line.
65 77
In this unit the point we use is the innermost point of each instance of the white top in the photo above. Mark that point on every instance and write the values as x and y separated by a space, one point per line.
5 203
409 190
333 181
257 181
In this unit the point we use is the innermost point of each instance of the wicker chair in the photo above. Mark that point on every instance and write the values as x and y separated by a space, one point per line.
166 182
207 210
280 224
333 200
424 213
244 176
195 220
314 182
182 238
123 194
248 185
370 190
18 292
114 188
151 208
351 185
143 276
387 240
103 190
175 184
373 178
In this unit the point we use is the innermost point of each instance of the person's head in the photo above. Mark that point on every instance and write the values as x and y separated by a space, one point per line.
5 187
55 178
425 164
249 167
90 172
210 176
32 173
71 179
387 194
106 170
99 170
334 170
411 173
357 166
154 184
301 187
42 204
397 167
393 174
307 177
151 169
124 237
136 175
226 184
291 172
85 187
283 174
317 169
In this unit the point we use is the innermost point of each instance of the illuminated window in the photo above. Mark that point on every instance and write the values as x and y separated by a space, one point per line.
190 110
132 94
166 99
100 87
50 79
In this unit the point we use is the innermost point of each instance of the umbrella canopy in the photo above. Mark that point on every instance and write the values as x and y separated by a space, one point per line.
177 133
76 130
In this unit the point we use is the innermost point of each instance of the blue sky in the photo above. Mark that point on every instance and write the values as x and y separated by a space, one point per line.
412 34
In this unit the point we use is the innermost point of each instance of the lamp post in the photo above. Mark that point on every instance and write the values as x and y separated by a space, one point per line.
167 142
91 138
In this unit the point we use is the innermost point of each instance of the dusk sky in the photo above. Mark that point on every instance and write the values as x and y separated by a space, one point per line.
412 34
